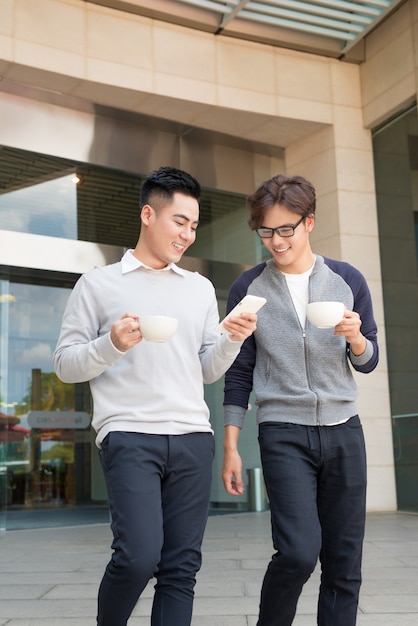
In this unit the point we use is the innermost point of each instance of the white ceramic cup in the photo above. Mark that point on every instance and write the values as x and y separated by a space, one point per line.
325 314
158 328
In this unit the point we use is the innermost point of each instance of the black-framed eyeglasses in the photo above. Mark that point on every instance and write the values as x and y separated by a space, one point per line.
282 231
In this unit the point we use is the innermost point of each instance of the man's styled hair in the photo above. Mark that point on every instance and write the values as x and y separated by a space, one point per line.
293 192
159 186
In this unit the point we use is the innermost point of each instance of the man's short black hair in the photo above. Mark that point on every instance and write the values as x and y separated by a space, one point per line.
160 186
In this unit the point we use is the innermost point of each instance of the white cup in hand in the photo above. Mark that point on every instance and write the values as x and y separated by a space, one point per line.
158 328
325 314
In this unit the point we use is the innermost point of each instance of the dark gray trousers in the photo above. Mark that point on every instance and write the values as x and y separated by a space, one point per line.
316 482
158 491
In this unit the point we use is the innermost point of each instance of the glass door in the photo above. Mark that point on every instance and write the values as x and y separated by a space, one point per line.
45 433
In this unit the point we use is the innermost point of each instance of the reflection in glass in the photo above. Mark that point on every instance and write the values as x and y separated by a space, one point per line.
48 467
45 466
395 147
46 208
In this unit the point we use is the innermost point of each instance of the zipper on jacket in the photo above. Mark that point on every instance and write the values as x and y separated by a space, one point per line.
318 423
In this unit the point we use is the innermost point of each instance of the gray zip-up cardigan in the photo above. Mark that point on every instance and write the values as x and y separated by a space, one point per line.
299 375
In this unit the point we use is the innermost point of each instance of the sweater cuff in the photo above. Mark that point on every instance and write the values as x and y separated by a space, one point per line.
229 347
234 415
106 349
363 358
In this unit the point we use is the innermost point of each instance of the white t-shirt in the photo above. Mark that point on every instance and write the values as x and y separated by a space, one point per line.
298 285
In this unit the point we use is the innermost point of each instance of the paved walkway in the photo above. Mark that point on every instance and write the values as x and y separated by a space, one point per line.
49 577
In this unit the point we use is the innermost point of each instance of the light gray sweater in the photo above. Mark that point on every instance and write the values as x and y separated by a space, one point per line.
152 388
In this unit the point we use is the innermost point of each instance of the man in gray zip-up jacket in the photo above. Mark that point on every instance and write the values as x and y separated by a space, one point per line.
311 440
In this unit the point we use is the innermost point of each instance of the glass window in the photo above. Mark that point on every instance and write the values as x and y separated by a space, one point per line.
44 460
416 234
57 197
48 208
396 170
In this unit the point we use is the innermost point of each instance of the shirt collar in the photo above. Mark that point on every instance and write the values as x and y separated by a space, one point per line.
130 263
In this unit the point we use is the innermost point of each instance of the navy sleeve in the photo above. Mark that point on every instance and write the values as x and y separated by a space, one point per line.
239 377
363 306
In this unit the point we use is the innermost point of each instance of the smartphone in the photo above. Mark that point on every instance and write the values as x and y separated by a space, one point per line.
249 304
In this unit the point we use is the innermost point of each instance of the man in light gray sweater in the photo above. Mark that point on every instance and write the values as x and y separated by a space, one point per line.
152 423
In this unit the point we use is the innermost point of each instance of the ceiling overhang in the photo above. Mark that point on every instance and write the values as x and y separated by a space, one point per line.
334 28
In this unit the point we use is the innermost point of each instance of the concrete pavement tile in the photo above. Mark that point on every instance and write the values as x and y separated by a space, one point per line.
384 619
200 620
208 575
409 561
143 607
40 565
389 603
226 589
22 592
380 559
221 620
36 609
50 576
397 548
217 564
397 582
59 592
362 620
225 606
55 621
253 564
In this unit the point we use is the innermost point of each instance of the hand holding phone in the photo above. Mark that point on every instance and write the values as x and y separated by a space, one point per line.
249 304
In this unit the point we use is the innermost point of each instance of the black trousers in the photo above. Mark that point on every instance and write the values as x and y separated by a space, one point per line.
158 490
316 483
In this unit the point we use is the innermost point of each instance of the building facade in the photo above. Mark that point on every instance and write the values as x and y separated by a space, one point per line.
92 98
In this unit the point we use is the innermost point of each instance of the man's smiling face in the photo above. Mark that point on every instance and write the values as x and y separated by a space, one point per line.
170 230
290 254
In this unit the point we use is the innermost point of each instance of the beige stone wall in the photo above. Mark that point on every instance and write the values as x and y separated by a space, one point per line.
389 73
82 54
